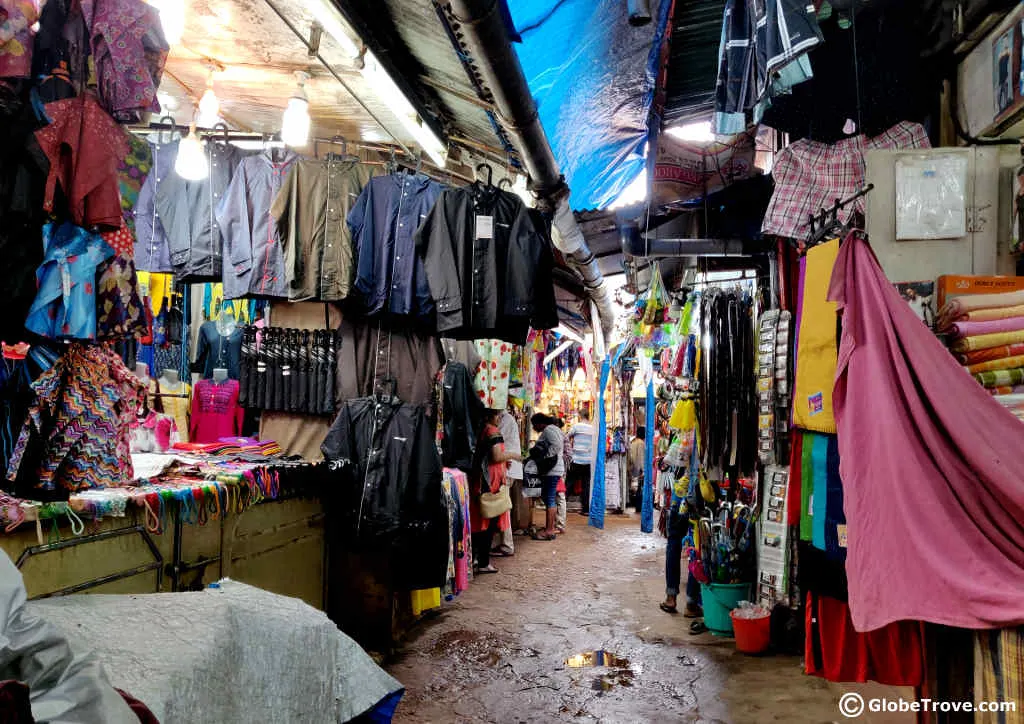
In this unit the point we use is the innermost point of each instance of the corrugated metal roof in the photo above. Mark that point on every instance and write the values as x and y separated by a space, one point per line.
693 62
417 41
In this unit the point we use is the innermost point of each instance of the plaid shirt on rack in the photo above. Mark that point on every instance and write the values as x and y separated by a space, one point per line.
810 176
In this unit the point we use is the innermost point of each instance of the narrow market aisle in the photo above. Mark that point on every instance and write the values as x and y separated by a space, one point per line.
498 654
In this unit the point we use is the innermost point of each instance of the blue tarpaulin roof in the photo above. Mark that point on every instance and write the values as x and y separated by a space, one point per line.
593 77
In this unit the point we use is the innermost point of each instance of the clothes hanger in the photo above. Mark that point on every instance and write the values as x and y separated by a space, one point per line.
171 127
481 167
223 128
419 161
391 166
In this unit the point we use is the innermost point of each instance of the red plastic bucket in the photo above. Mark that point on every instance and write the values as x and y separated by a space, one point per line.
753 635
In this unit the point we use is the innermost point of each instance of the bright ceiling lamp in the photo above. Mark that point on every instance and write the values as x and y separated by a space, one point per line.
191 162
172 19
295 122
209 104
388 91
327 15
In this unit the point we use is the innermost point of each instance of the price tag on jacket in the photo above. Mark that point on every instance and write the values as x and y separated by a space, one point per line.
484 227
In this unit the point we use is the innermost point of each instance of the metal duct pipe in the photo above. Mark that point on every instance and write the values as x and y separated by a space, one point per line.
639 12
482 30
634 244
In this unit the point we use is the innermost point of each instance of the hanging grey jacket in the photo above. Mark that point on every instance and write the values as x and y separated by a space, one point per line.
763 50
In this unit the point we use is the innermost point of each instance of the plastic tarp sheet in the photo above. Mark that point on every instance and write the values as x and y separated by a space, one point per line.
238 654
593 76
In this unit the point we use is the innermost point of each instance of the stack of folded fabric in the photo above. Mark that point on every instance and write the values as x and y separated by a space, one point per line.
986 334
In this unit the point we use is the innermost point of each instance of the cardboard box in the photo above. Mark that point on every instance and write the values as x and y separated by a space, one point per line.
959 285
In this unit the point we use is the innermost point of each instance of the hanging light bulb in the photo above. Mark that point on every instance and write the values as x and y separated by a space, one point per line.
209 105
295 122
172 19
191 162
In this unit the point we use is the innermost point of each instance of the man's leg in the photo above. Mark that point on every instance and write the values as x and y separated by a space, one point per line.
584 474
562 511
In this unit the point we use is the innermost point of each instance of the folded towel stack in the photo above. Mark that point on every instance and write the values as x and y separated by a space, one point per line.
986 333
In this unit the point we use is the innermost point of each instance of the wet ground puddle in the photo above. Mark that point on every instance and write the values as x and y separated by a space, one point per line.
620 672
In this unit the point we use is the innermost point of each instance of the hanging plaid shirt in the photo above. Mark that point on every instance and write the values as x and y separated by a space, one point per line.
810 176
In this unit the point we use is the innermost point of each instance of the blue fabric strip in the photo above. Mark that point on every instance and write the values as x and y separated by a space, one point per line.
647 508
597 497
819 506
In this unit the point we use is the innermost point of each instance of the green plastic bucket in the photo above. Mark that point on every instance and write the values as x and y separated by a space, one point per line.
718 599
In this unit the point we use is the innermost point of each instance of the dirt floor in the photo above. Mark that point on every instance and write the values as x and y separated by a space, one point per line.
498 653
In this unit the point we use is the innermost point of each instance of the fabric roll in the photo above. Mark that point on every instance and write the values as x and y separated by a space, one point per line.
992 353
988 341
819 501
817 351
996 326
997 364
1001 378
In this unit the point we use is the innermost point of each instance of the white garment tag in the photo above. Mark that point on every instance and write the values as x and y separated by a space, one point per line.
484 227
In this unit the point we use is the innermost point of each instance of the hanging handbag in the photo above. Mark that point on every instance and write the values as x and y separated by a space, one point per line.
494 504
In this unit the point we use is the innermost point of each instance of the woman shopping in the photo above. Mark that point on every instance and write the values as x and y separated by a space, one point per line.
491 504
547 454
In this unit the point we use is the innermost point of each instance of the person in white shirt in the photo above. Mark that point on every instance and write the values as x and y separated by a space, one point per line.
581 437
509 427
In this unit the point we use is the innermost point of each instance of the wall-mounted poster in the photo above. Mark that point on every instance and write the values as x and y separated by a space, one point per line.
931 196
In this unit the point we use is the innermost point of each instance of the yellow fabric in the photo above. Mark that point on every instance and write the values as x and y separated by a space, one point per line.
1006 363
425 599
684 416
985 341
159 287
817 354
177 407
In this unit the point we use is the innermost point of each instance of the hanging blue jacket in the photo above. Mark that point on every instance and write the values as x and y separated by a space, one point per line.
65 305
763 51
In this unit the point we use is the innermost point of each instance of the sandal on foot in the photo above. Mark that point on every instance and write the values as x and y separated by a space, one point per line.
693 611
488 569
667 609
697 627
542 536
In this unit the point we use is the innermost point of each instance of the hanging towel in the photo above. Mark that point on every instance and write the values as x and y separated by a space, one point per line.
992 353
816 353
794 497
999 671
806 487
931 468
819 501
835 518
995 326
